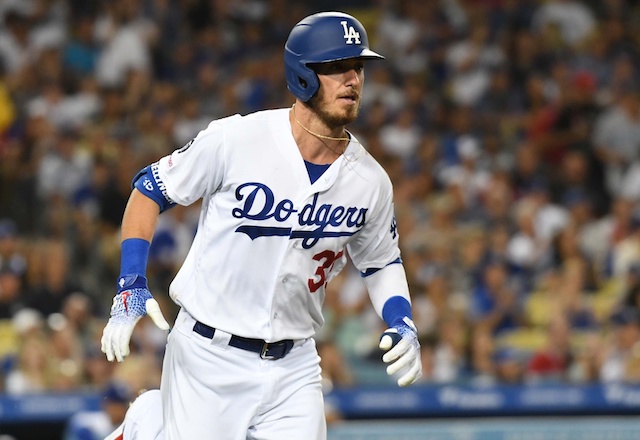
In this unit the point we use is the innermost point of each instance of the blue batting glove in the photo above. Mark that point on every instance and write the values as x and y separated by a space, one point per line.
132 302
402 351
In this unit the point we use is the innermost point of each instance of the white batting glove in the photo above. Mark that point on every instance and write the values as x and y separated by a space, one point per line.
132 302
402 352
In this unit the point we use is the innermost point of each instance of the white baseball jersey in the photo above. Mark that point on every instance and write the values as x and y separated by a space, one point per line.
268 240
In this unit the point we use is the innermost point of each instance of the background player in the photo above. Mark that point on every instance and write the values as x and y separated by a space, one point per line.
143 420
285 195
95 425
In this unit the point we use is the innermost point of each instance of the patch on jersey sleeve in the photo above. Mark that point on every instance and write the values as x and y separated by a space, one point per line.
393 230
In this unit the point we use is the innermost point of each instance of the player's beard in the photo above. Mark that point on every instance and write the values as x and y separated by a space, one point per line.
332 119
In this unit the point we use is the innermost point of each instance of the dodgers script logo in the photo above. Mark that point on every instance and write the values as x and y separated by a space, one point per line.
260 204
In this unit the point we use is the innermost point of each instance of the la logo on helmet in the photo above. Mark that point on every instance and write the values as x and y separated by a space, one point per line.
350 34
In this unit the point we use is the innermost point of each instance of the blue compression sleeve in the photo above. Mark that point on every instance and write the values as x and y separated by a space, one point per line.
135 253
395 309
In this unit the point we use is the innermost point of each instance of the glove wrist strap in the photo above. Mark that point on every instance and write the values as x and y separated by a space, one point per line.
133 281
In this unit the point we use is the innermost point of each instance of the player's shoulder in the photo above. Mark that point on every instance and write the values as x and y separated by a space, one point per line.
244 122
217 124
253 118
268 115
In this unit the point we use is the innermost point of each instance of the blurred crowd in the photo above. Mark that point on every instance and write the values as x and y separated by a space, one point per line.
510 129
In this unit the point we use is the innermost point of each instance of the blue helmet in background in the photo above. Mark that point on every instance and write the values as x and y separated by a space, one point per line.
322 38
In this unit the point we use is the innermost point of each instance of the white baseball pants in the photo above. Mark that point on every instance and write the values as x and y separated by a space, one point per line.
212 391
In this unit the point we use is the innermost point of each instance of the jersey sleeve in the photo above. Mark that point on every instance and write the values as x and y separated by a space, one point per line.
375 253
196 169
376 245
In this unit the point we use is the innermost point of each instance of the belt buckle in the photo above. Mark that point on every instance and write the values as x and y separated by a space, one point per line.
263 353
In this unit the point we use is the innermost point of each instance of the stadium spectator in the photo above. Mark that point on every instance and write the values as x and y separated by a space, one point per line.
471 62
34 370
552 362
495 305
509 366
15 44
96 425
448 362
574 20
483 365
626 252
126 38
598 237
619 361
616 138
11 292
466 179
53 278
527 247
12 253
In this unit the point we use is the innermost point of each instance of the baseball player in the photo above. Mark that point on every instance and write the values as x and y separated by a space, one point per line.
143 420
286 194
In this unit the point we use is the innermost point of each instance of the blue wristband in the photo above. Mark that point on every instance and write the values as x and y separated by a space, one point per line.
135 253
395 309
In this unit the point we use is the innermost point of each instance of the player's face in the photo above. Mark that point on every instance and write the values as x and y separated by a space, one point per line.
337 102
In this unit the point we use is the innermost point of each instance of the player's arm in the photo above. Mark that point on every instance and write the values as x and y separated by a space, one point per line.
140 217
389 293
376 254
133 299
179 178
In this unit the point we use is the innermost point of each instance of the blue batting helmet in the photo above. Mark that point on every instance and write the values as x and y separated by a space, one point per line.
322 38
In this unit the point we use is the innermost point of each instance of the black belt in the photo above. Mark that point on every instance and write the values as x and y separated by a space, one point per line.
267 350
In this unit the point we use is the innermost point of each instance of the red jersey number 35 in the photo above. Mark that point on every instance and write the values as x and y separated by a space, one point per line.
327 259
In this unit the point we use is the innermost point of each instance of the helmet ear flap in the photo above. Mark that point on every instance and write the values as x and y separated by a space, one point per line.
301 80
310 83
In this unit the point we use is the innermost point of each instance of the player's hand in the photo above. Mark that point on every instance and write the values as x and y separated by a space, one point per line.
132 302
402 352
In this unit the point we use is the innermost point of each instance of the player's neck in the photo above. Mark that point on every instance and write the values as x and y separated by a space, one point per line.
317 142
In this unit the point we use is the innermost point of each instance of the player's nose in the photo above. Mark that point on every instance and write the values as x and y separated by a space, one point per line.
352 77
